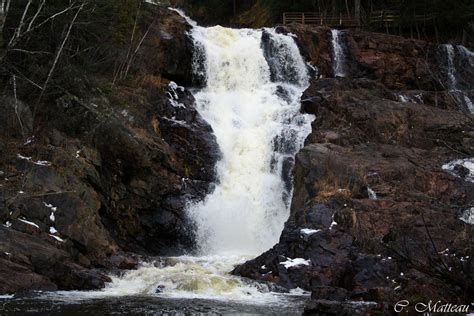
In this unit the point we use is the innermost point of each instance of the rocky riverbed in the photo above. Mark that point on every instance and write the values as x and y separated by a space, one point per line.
374 215
97 180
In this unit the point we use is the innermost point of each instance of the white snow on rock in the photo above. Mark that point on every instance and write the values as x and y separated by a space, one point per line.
173 87
309 232
39 162
57 238
372 194
6 297
468 216
28 222
174 120
53 209
467 163
78 153
8 224
52 230
29 140
42 163
23 157
297 262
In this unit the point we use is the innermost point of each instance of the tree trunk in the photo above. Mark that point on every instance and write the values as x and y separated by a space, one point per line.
357 13
4 6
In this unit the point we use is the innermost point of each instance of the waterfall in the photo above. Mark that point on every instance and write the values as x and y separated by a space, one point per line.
253 82
453 84
251 100
338 54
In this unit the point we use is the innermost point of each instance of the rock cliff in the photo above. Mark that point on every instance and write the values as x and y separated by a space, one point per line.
373 212
103 174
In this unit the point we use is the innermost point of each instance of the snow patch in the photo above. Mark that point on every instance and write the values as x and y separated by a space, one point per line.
174 120
173 87
468 216
29 140
309 232
23 157
372 194
297 262
52 230
57 238
467 163
53 209
29 223
39 162
334 223
42 163
402 98
6 296
177 104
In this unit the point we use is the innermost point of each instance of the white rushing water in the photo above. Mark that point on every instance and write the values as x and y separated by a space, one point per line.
254 80
258 125
453 85
338 54
452 81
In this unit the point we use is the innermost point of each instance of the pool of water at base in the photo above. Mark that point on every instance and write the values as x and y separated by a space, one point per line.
145 305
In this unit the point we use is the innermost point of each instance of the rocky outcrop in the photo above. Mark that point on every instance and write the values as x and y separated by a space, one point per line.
103 175
374 217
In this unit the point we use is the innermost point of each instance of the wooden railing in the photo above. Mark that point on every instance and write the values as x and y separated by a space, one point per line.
340 20
388 18
393 18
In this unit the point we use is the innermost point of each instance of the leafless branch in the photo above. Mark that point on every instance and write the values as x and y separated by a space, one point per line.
35 16
16 107
130 62
20 25
58 54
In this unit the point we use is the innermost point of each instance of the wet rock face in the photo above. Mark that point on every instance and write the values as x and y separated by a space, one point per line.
102 176
372 208
162 161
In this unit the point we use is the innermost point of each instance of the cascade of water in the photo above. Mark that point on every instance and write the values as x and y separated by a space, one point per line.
251 100
253 82
452 82
339 55
453 85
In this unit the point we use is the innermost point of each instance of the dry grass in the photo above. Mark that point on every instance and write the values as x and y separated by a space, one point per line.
339 181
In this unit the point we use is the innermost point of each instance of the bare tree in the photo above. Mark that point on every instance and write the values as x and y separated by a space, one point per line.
60 50
20 32
4 8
